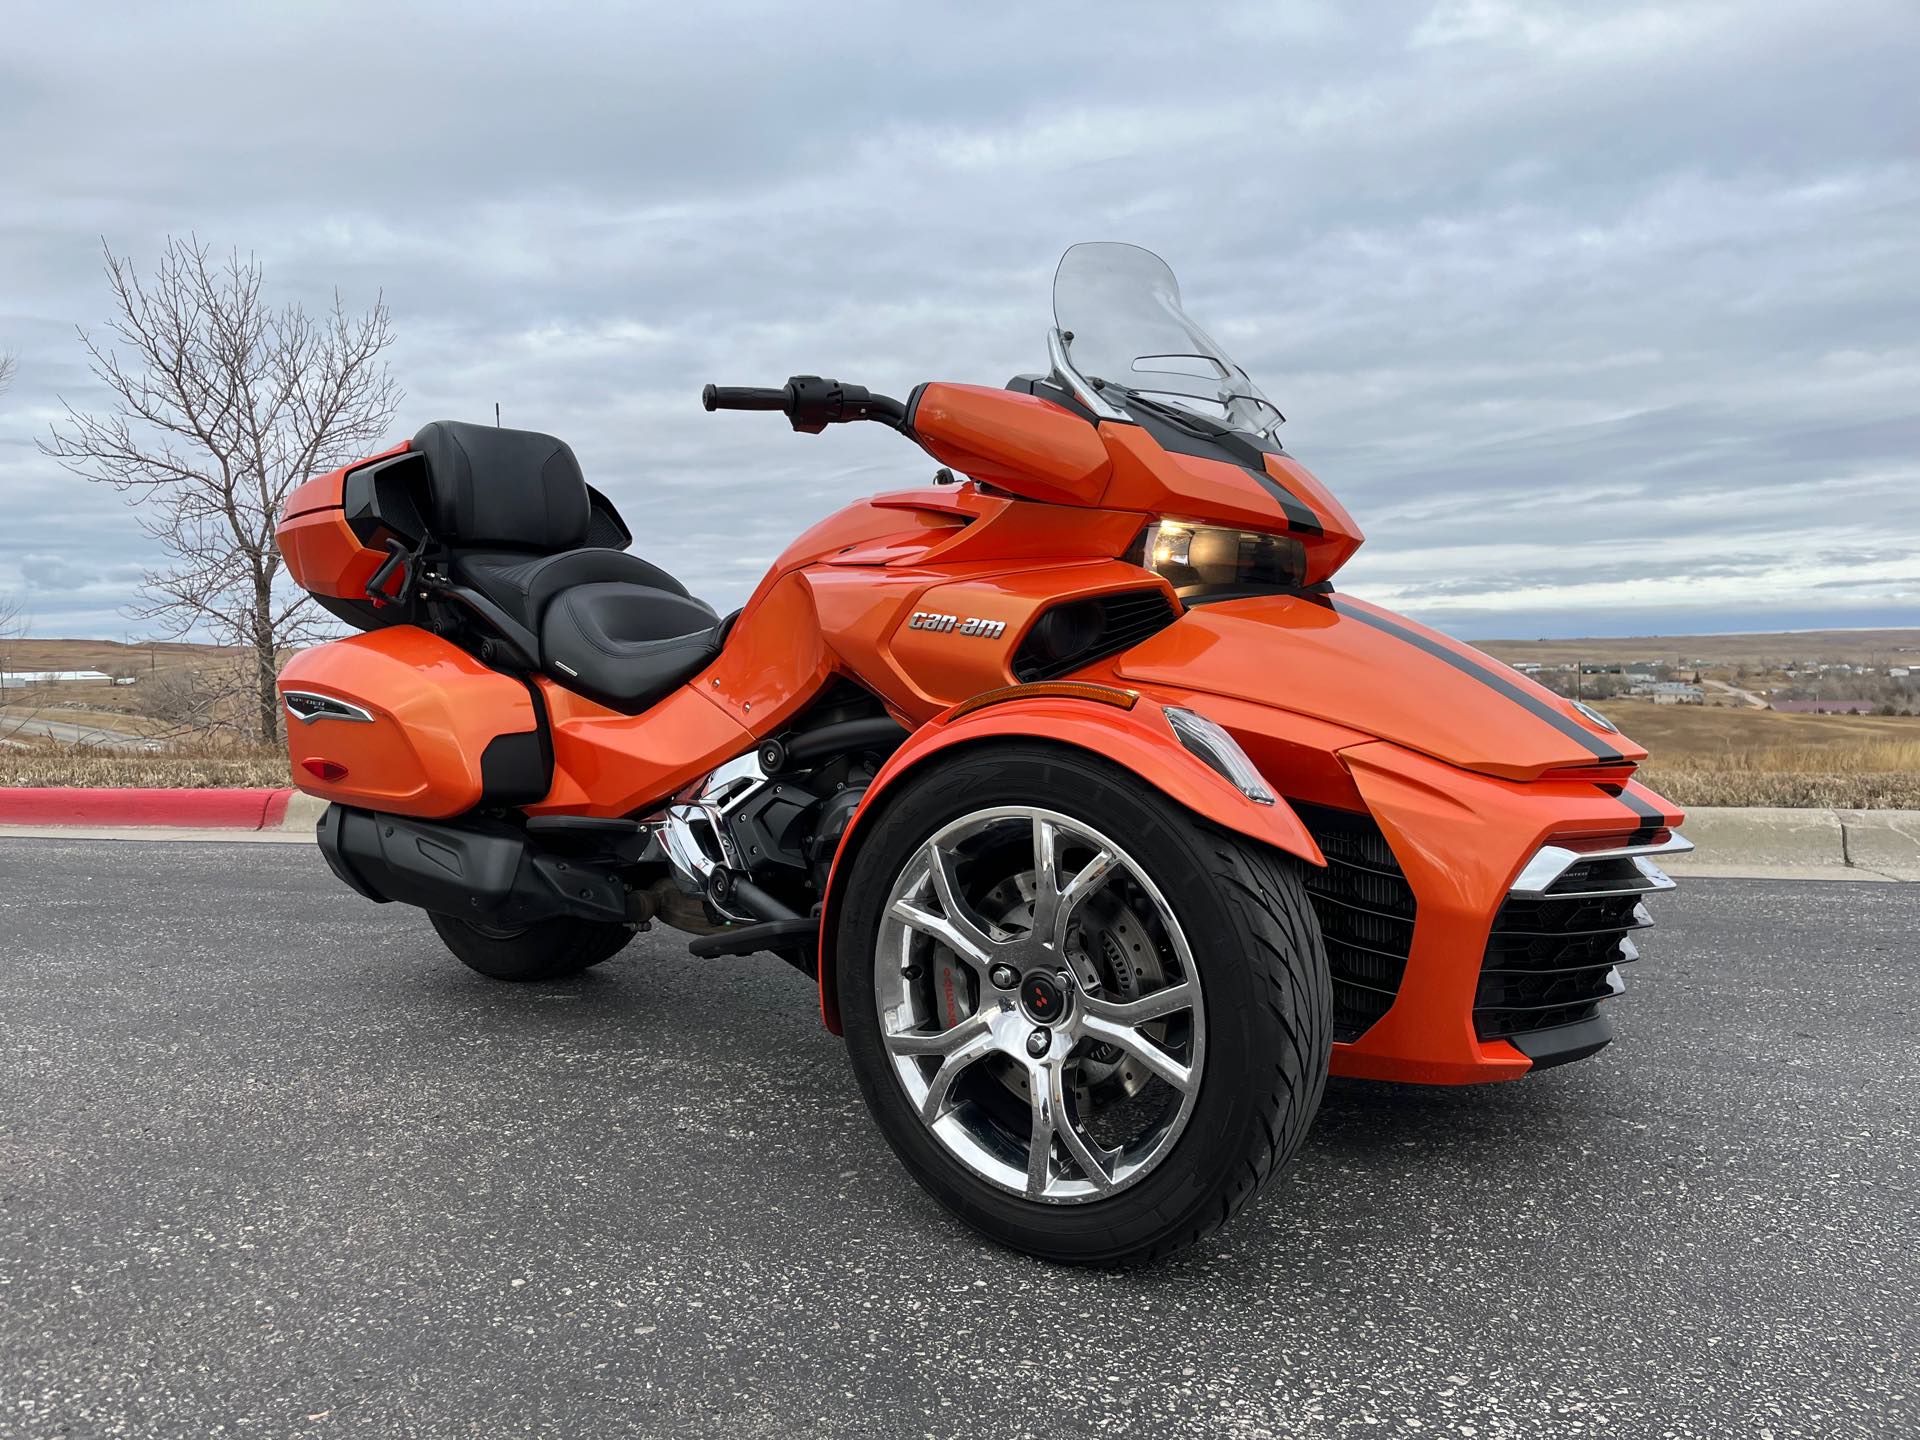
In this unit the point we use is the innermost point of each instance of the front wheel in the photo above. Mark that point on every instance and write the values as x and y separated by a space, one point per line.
544 950
1089 1024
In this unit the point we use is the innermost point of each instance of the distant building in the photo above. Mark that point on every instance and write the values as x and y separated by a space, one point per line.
1899 672
21 679
1825 707
1671 692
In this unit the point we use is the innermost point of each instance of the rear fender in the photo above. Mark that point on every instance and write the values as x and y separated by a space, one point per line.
1138 739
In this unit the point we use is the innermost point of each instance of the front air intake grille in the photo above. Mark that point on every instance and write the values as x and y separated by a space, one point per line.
1080 632
1366 913
1560 937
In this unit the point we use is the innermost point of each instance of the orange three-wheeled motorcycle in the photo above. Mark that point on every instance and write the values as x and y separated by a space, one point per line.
1107 826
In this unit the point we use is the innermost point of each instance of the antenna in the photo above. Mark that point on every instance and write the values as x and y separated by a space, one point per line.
496 414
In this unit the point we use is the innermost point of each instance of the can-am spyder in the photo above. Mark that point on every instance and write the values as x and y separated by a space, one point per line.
1107 826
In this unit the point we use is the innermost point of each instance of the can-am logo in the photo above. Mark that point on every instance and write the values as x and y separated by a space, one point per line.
979 629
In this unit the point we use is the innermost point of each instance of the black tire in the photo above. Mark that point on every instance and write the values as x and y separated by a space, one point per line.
1262 967
545 950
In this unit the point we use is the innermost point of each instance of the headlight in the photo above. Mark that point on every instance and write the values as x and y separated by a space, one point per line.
1196 559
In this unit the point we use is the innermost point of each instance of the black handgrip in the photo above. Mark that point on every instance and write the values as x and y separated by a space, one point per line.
399 557
745 397
810 403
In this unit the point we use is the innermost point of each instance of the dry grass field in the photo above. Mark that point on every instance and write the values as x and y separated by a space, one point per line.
1705 756
186 767
1760 651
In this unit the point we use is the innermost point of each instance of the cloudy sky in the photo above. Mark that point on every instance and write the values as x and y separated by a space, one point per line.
1602 319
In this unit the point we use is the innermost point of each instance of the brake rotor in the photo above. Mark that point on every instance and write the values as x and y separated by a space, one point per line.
1114 957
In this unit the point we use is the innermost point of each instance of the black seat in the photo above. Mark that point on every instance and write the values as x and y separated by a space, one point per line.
516 514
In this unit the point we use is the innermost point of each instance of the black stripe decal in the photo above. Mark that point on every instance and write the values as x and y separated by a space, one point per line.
1527 701
1299 514
1651 820
1199 437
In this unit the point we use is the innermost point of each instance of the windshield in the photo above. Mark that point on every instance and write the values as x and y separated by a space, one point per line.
1118 311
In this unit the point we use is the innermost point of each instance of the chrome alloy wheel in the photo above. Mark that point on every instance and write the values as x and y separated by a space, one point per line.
1039 1004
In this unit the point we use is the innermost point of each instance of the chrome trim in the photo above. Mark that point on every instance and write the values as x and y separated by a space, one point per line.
1550 862
677 827
1081 388
334 708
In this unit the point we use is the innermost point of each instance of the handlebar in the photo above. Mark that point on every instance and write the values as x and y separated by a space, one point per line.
810 403
743 397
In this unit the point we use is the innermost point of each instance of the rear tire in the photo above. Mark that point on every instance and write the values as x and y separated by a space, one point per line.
544 950
1257 1047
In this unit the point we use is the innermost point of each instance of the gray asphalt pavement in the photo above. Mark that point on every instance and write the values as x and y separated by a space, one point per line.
272 1163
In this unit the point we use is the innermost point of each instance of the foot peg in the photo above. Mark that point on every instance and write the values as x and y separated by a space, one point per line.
751 939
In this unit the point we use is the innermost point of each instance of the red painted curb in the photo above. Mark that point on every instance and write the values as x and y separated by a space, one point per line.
193 809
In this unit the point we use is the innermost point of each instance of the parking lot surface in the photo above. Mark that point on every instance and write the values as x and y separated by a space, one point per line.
273 1163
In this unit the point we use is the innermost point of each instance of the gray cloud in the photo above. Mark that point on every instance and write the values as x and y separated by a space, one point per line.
1597 319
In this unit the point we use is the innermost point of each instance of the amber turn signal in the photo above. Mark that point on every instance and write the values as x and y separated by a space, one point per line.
1049 690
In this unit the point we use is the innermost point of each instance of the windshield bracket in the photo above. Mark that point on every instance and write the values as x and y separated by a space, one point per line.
1078 385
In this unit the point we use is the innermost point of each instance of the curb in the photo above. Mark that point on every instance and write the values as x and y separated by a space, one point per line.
1744 842
1769 842
62 807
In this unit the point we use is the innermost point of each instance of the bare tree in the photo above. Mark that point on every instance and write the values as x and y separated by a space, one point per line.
13 618
222 405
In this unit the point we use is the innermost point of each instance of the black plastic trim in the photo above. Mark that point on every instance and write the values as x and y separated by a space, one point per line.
1367 946
1120 620
474 868
1564 1044
1191 595
517 769
1042 388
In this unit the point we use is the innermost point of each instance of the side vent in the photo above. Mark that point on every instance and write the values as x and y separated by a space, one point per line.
1080 632
1366 912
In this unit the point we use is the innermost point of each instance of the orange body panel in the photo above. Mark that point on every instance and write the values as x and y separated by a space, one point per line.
323 554
1339 537
1004 529
921 671
1018 442
1334 661
609 764
435 710
1461 839
869 532
774 662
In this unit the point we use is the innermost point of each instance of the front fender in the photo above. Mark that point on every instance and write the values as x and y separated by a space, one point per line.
1136 738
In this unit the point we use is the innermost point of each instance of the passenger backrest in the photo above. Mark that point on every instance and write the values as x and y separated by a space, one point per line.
503 488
